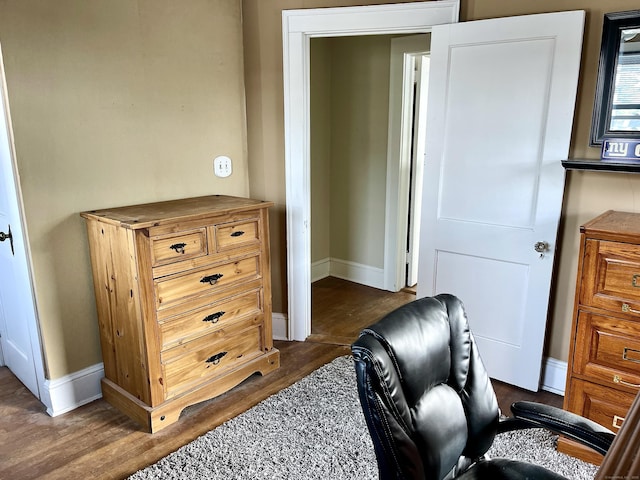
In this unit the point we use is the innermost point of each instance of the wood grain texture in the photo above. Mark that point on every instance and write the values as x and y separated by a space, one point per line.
606 325
341 309
623 459
155 268
98 441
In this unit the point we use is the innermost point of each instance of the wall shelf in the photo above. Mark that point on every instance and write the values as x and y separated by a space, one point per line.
601 165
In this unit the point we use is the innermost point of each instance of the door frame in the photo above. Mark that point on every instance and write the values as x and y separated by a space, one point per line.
22 251
401 140
298 27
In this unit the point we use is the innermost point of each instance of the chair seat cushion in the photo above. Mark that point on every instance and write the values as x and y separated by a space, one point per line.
504 469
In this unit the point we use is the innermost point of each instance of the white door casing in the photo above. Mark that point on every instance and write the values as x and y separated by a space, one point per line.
501 104
298 27
417 178
404 51
20 338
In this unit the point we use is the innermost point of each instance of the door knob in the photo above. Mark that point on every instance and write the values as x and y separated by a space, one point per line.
7 236
541 247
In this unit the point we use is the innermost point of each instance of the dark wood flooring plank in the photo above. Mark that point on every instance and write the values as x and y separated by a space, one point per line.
97 441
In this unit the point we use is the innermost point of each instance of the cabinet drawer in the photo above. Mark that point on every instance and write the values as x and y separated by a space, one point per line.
178 288
207 357
603 405
180 246
182 328
612 278
607 348
236 234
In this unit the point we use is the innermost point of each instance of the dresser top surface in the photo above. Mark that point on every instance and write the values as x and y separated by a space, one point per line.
158 213
614 222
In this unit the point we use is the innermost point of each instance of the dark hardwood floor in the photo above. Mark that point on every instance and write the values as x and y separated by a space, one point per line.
341 309
95 441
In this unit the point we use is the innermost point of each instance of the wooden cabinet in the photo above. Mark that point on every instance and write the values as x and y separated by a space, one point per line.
604 358
183 294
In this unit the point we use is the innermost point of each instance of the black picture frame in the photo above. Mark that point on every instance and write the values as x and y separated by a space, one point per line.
612 27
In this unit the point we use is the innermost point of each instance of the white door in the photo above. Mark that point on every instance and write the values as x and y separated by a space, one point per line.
17 312
501 102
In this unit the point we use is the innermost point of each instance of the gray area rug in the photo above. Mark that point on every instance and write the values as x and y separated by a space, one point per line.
315 429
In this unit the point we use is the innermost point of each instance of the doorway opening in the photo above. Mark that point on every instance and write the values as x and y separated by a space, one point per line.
299 26
368 102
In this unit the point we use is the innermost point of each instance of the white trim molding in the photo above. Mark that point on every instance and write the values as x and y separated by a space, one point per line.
357 273
347 270
72 391
320 269
298 27
554 376
280 326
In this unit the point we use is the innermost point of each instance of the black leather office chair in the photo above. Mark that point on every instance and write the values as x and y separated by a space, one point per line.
429 404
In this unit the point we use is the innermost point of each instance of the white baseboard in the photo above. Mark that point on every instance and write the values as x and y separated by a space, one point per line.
554 376
71 391
346 270
320 269
358 273
74 390
280 326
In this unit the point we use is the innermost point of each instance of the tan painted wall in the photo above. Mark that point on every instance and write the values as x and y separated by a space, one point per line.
587 193
114 102
123 101
320 145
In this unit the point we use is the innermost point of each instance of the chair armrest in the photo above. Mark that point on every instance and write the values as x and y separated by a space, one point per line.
583 430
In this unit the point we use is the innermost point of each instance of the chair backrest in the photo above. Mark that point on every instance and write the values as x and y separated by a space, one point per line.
426 396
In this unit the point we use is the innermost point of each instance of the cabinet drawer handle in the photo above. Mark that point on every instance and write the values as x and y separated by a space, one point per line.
617 379
617 421
627 308
635 280
211 279
239 233
213 318
626 355
215 359
178 247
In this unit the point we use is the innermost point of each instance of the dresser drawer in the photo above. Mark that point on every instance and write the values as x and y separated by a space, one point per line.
613 281
180 246
607 349
603 405
193 363
182 328
236 234
178 288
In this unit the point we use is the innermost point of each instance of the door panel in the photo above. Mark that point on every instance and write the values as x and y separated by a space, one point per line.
17 311
500 196
501 100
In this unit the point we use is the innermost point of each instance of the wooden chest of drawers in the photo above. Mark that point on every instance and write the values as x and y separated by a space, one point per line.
183 293
604 358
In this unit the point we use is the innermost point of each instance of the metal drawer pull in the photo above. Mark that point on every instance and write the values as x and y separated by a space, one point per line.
215 359
178 247
213 318
626 354
211 279
635 280
617 421
627 308
239 233
617 379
